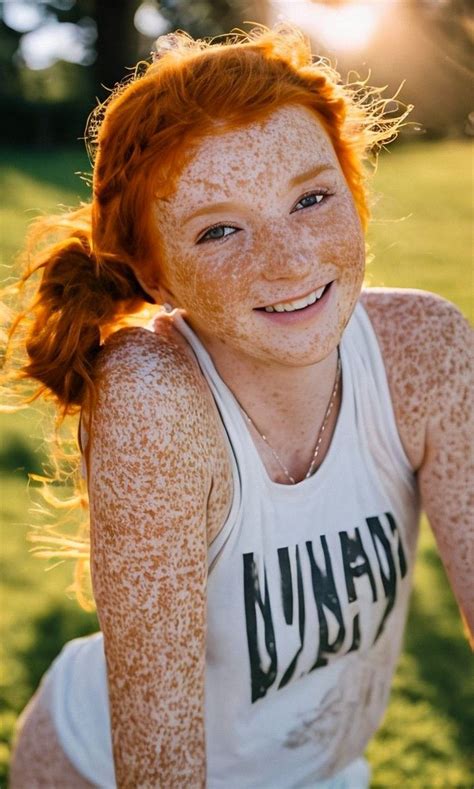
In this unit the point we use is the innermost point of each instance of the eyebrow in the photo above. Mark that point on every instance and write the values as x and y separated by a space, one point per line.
211 209
306 176
226 205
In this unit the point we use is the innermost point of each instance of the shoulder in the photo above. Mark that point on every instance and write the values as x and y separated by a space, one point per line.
154 407
410 304
424 340
417 326
152 412
145 373
136 356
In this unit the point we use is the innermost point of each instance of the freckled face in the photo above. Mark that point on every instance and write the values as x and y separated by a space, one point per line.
244 230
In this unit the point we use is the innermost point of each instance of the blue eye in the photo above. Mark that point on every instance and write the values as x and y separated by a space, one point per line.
218 232
310 199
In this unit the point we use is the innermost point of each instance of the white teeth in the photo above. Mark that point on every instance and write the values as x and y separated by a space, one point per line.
320 292
298 304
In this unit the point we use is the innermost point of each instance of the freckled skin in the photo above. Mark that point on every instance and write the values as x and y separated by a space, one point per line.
160 477
281 251
427 348
160 488
155 446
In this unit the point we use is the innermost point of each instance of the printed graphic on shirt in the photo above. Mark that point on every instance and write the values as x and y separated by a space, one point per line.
300 605
340 725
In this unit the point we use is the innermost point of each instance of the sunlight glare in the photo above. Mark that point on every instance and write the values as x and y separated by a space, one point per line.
349 26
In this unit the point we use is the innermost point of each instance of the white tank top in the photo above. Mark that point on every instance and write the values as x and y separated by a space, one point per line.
308 588
308 591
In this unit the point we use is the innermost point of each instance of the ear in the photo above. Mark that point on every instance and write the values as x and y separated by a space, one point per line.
159 294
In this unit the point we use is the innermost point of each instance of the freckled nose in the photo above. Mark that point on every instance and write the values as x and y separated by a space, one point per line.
285 262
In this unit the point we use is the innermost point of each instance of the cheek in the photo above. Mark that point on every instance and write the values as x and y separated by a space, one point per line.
208 284
346 237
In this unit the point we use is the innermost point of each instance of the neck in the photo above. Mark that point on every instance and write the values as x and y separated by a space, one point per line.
282 401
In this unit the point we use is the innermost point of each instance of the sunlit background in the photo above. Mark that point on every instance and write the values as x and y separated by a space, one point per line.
56 60
67 52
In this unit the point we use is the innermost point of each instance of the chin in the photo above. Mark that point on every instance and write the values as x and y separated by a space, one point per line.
311 357
304 354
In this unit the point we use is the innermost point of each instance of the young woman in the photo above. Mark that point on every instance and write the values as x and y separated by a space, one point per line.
257 455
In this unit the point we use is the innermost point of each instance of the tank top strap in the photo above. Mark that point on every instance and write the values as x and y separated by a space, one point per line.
227 405
374 415
244 463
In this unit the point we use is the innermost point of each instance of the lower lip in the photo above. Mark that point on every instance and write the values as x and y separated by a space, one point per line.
300 316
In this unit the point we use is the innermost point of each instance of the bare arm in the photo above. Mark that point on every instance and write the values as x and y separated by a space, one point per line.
427 348
149 480
446 475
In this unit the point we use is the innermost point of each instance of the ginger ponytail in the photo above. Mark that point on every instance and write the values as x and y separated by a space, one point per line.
64 337
52 339
79 301
139 139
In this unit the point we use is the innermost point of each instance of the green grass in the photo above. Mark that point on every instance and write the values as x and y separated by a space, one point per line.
35 184
421 238
422 231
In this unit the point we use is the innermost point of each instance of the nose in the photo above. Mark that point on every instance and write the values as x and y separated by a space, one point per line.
286 259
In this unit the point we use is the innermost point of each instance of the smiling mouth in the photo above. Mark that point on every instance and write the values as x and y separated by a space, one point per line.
296 305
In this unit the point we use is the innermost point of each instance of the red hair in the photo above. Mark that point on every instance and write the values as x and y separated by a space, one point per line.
150 125
141 138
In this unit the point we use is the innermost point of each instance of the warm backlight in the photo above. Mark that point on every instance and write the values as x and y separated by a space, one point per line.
343 26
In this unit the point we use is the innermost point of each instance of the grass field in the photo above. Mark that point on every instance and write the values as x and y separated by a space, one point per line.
420 238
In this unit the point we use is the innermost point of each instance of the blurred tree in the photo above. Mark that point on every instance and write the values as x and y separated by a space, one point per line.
57 55
9 83
47 103
117 41
428 43
119 45
203 18
451 26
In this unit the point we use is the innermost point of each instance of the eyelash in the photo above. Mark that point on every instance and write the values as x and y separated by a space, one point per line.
203 238
315 192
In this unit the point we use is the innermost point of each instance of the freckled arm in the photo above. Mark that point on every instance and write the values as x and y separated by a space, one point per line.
446 475
148 485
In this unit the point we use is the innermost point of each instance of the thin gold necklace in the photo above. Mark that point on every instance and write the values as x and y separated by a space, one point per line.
320 433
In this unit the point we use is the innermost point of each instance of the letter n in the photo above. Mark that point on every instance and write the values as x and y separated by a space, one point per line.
325 595
261 679
383 546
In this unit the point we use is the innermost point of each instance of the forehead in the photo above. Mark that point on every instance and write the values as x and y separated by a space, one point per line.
288 142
